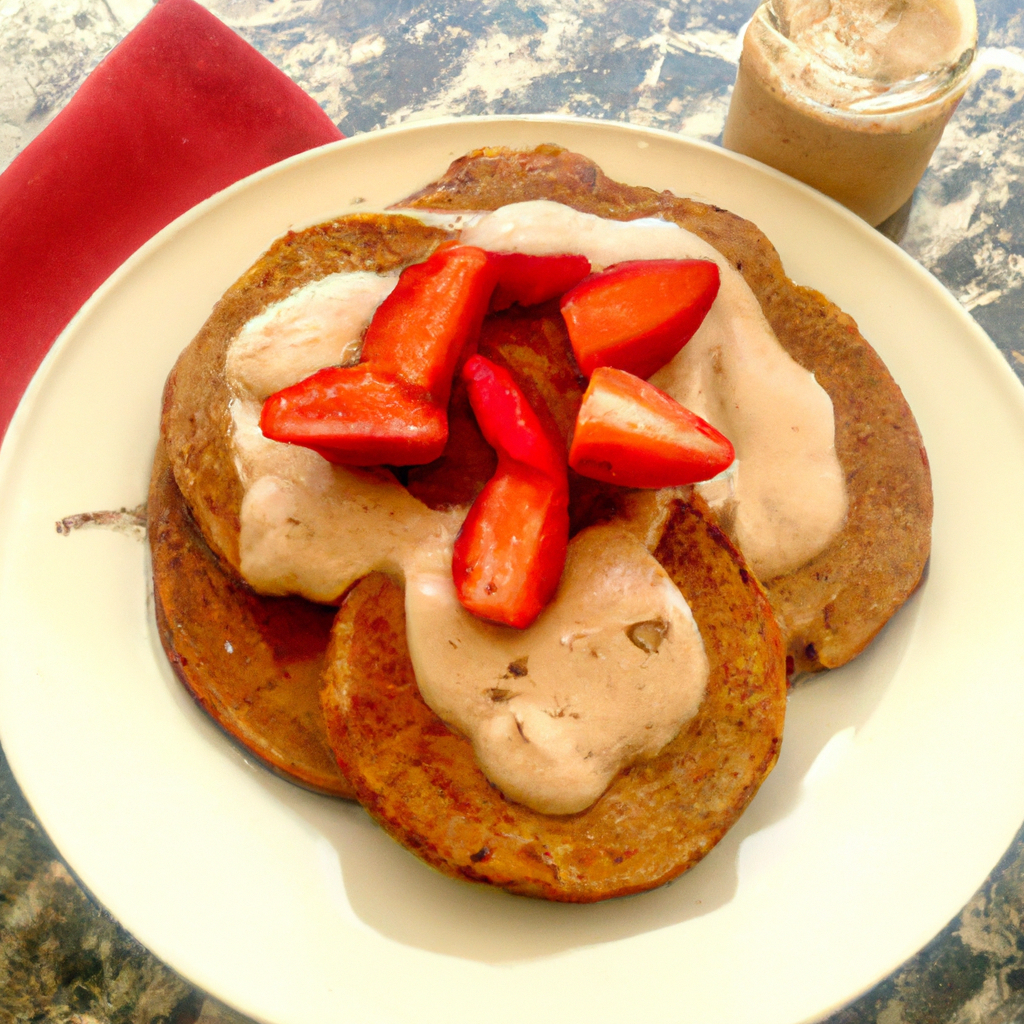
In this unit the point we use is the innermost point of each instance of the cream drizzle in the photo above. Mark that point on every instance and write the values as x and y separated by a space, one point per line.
785 497
319 325
311 528
606 676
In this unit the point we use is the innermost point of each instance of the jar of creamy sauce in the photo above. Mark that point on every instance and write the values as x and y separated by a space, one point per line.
851 96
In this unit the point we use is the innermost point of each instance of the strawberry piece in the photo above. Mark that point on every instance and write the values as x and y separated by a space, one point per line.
508 421
358 416
392 409
636 316
530 280
510 552
631 433
432 317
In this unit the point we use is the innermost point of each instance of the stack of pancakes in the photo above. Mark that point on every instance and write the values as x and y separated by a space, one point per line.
327 695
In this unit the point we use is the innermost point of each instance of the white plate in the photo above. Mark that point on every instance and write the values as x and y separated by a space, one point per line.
900 783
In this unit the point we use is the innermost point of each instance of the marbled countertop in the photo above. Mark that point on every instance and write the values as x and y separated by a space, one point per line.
667 64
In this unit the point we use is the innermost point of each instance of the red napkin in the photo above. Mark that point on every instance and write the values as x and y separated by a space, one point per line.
180 109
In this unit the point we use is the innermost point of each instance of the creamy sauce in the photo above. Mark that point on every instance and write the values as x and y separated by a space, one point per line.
313 529
319 325
606 675
785 498
614 667
851 97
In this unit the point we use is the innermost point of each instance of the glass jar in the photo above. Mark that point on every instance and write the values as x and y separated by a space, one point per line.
851 96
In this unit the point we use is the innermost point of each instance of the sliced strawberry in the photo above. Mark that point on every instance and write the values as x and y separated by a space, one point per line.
358 416
636 316
629 432
431 319
392 408
508 421
510 552
530 280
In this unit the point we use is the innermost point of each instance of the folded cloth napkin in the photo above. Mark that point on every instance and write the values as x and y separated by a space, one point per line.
181 108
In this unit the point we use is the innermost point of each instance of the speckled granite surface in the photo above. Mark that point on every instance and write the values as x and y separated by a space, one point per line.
373 63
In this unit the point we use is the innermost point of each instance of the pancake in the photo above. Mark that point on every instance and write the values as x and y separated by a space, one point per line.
196 421
254 664
828 610
657 819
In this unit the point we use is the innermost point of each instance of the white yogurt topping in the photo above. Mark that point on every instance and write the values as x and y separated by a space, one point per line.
317 326
598 690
